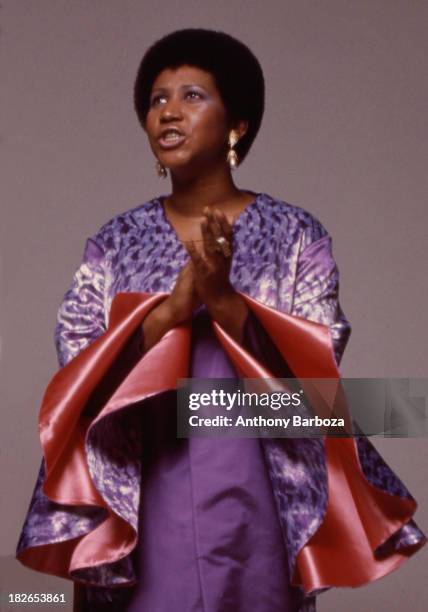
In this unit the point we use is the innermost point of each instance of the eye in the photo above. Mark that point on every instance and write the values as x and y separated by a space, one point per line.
192 94
156 99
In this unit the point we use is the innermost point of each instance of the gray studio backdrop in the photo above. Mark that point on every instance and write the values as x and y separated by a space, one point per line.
344 135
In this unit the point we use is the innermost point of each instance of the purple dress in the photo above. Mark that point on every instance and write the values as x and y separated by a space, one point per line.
210 539
220 521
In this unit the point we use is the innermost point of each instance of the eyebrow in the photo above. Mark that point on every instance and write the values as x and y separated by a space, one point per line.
165 89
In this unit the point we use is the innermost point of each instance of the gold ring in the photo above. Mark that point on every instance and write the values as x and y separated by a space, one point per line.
224 246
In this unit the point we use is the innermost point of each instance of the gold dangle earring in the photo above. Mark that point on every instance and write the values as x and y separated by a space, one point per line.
161 170
232 156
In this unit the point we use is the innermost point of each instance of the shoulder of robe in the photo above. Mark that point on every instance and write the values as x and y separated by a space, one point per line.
306 222
124 225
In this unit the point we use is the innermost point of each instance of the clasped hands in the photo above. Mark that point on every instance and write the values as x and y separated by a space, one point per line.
204 279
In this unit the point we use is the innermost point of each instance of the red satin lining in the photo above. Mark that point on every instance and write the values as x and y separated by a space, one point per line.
358 518
61 434
63 430
50 559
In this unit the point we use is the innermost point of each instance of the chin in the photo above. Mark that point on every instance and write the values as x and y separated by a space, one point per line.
185 167
174 159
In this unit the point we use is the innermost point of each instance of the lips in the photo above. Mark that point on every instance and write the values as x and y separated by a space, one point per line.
171 137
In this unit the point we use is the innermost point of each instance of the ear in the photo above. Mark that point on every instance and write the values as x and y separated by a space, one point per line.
241 128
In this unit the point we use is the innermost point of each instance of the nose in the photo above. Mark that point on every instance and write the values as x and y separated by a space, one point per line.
171 111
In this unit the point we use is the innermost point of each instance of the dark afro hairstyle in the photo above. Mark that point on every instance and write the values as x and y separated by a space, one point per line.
236 71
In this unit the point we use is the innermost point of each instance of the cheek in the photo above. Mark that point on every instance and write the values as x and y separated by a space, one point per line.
150 131
148 126
211 126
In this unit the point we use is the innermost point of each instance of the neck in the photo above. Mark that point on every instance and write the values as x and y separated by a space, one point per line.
191 195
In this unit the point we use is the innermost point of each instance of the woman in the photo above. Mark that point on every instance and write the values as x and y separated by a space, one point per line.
210 281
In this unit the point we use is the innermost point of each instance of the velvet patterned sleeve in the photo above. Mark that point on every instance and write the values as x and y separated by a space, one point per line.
316 289
81 316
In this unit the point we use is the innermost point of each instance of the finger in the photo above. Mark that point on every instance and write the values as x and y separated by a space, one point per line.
206 219
224 225
191 249
219 228
207 211
208 239
196 258
187 270
213 223
225 233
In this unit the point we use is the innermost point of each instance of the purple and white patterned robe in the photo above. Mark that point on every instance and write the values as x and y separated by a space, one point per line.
282 258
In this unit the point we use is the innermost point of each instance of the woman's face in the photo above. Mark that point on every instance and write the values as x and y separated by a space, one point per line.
187 123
